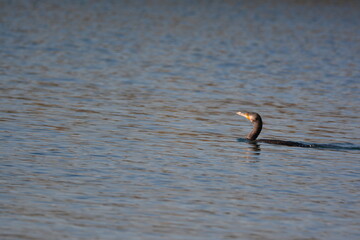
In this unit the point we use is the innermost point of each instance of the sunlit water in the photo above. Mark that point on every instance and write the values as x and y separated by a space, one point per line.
118 119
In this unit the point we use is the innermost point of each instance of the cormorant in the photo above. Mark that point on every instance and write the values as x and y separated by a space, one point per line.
256 120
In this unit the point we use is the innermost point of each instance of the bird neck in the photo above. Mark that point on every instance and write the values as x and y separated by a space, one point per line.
256 130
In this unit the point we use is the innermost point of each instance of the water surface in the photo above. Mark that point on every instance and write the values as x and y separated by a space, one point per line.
118 119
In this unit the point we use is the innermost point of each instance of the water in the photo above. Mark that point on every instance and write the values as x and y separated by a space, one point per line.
118 119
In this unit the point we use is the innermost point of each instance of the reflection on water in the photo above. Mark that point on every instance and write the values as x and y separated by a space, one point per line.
118 119
254 147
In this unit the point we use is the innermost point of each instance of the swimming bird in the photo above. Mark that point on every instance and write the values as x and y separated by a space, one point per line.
256 120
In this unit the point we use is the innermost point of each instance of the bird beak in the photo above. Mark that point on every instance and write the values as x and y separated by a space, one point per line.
243 115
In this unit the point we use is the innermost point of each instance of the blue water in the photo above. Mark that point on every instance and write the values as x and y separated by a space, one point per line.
118 119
